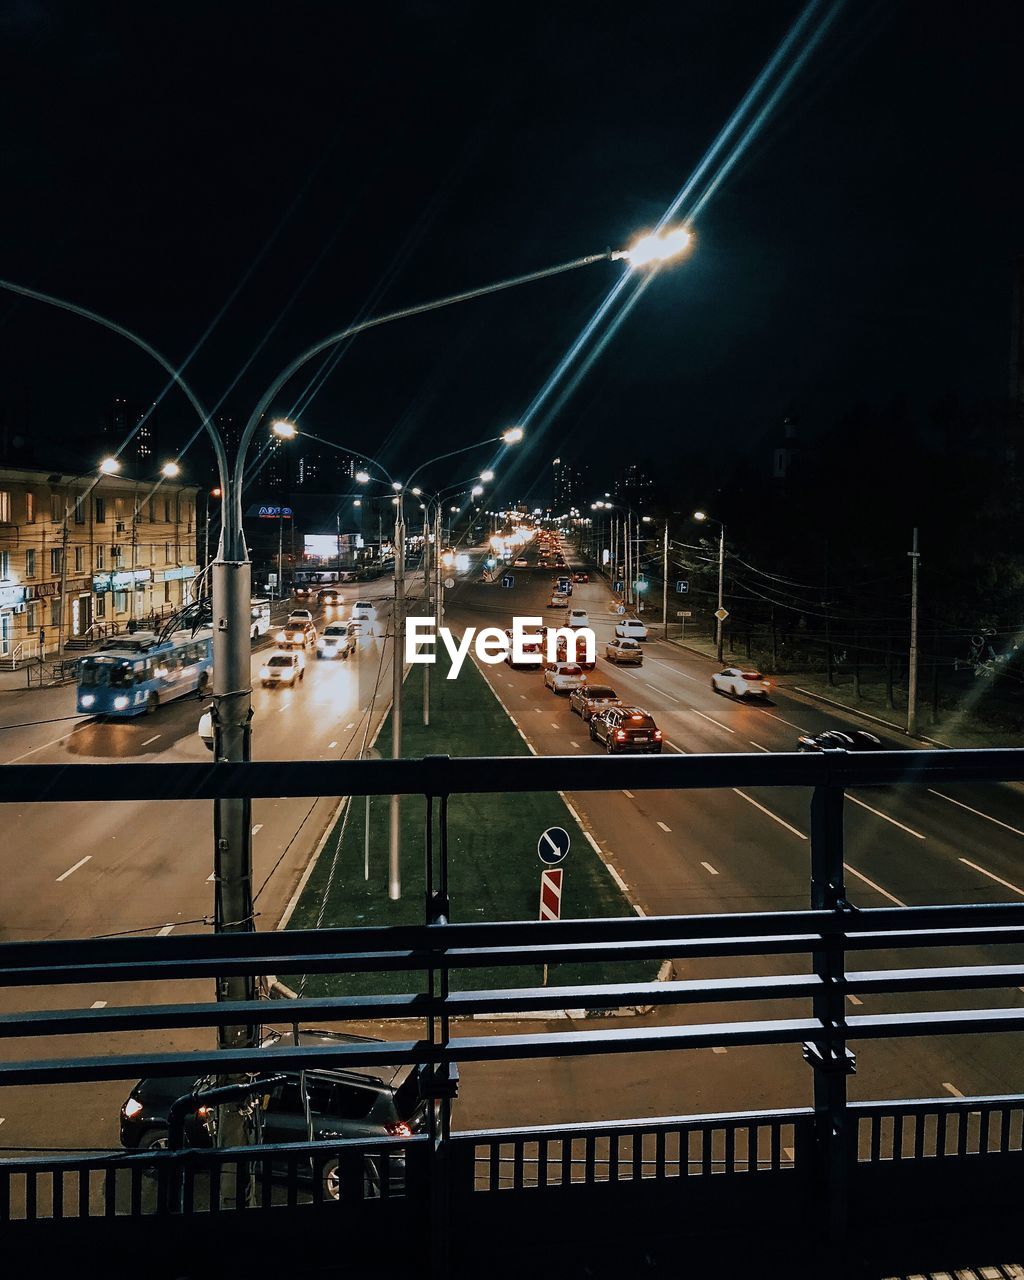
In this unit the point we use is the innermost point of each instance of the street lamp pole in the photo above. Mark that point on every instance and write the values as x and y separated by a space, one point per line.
701 516
664 583
398 671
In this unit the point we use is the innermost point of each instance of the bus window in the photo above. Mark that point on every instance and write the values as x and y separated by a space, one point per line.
121 675
88 674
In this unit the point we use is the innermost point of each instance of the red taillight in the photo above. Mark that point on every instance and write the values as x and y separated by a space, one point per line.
398 1130
657 733
620 733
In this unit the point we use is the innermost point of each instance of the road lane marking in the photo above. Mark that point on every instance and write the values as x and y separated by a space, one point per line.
879 814
538 711
98 1004
758 745
718 1048
42 747
523 696
638 909
153 739
284 706
789 722
675 670
628 794
664 693
854 999
951 1088
681 750
713 721
711 872
992 876
350 725
781 821
593 843
987 816
71 870
663 827
877 887
331 745
574 744
211 876
617 878
553 725
162 933
257 827
789 1153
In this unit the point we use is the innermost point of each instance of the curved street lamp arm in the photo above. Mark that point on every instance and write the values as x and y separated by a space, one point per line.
218 445
344 448
374 322
479 444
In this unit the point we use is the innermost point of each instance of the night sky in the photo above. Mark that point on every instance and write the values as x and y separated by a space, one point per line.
221 175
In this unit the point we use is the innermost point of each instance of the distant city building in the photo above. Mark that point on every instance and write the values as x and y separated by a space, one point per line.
635 484
139 420
569 481
785 449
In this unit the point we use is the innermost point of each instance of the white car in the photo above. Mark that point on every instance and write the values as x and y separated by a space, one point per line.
740 683
630 629
283 666
337 641
577 618
300 615
521 563
624 653
364 615
563 677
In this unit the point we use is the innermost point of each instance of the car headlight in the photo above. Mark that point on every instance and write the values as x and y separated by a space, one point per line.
321 643
87 699
281 636
120 702
264 673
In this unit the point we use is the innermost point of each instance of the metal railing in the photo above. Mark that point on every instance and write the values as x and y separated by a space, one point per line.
804 1170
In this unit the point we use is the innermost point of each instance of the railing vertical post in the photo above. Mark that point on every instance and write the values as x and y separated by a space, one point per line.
830 1058
442 1080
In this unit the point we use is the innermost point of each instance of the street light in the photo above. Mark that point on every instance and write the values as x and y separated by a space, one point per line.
110 466
513 435
700 517
487 476
170 470
656 247
283 429
363 477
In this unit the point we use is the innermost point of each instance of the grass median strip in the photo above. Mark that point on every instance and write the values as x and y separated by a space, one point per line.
494 871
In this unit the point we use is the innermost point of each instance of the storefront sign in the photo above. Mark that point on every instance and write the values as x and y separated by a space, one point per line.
184 571
10 596
120 581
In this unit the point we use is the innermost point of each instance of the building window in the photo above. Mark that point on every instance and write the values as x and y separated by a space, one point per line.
5 564
30 562
167 553
55 612
31 617
56 557
101 510
152 553
56 508
167 510
117 556
119 509
79 559
99 555
30 507
5 506
120 601
80 509
152 510
101 605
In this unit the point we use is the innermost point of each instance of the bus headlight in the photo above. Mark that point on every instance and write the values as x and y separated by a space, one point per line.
120 702
87 699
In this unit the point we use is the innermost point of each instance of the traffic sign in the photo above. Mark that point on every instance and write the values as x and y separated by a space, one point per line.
449 583
682 586
684 613
619 585
551 893
620 609
553 846
721 614
507 580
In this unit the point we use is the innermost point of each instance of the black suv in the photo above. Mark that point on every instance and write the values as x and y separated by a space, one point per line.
625 729
354 1102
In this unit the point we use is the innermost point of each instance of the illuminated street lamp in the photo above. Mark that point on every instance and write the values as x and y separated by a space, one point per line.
284 429
656 247
363 477
487 476
170 470
110 466
513 435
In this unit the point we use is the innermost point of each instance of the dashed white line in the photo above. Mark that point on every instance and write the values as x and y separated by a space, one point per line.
798 727
951 1088
162 933
854 999
573 744
879 814
992 876
523 696
593 843
98 1004
638 909
664 693
709 868
712 720
675 670
331 746
758 745
257 827
719 1048
871 884
987 816
628 794
42 747
538 711
351 725
781 821
663 826
617 878
553 725
673 747
153 739
71 870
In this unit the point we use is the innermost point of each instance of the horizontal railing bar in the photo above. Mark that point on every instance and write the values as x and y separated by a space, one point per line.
474 775
880 1026
945 978
928 1105
655 1124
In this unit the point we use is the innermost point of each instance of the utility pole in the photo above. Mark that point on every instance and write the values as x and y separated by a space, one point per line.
64 576
398 669
280 554
337 527
915 557
426 593
664 583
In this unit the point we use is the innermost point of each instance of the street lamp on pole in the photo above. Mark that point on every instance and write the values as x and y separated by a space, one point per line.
700 517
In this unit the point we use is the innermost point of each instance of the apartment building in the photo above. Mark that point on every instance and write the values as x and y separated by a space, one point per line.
86 555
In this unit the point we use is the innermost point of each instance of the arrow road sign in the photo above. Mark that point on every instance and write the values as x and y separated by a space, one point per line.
449 583
682 586
551 893
553 846
508 580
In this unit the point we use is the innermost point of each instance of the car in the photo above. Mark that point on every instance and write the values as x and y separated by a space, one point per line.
330 596
626 729
588 699
364 615
563 584
557 601
581 577
337 641
838 740
521 563
630 629
361 1102
624 653
283 666
563 677
562 654
296 634
300 615
577 618
741 683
